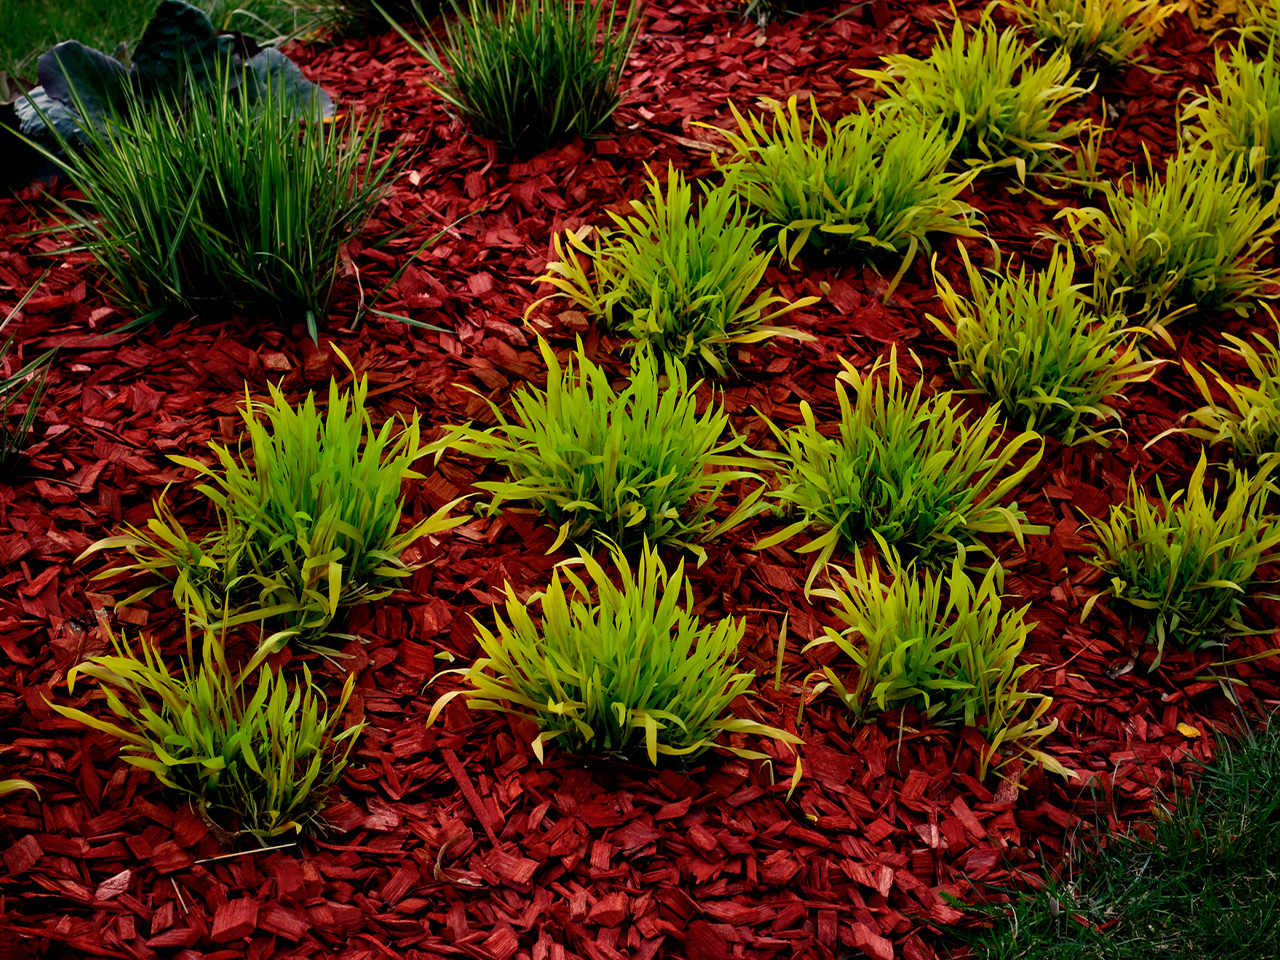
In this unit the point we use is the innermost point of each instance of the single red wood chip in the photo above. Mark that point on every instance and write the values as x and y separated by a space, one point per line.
235 919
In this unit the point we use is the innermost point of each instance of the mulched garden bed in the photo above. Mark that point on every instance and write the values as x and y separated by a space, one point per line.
453 840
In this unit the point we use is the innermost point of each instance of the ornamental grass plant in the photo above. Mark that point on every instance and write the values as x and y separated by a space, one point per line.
635 465
611 669
915 471
1238 119
1249 420
1093 32
222 202
987 91
1185 560
530 73
256 753
938 642
679 278
1198 881
868 185
1192 240
1035 344
308 525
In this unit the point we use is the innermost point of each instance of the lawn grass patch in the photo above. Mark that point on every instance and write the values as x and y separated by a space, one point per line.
615 669
1198 881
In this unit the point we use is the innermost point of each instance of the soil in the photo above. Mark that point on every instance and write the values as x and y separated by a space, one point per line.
453 840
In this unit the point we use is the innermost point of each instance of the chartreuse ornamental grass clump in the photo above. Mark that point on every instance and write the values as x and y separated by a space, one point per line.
220 201
529 73
912 470
256 753
1239 117
1186 559
1107 32
677 277
1250 419
639 464
1036 344
307 526
988 91
937 642
615 669
1259 20
1190 241
869 184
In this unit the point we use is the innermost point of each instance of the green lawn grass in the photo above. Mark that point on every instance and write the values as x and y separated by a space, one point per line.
1205 885
30 27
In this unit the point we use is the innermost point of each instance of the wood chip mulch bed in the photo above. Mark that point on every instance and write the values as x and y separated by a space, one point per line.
453 840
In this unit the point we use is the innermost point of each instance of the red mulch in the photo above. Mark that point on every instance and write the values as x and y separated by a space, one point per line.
454 840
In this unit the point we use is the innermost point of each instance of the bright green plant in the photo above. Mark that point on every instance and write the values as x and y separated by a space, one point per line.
1036 345
631 673
679 278
865 185
1183 562
987 91
631 465
1190 241
1093 31
221 202
307 526
939 643
909 469
1250 419
1239 118
255 760
529 73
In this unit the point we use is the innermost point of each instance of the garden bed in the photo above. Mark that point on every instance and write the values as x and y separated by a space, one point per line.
454 840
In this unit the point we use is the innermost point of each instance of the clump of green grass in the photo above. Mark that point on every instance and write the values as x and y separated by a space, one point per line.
632 465
940 643
1190 241
256 758
1250 419
987 91
308 526
1185 560
1238 119
221 202
1036 344
530 73
678 278
912 470
1106 32
1200 884
863 186
623 670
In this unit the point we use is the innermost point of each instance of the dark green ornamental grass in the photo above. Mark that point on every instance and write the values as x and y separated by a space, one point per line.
528 74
